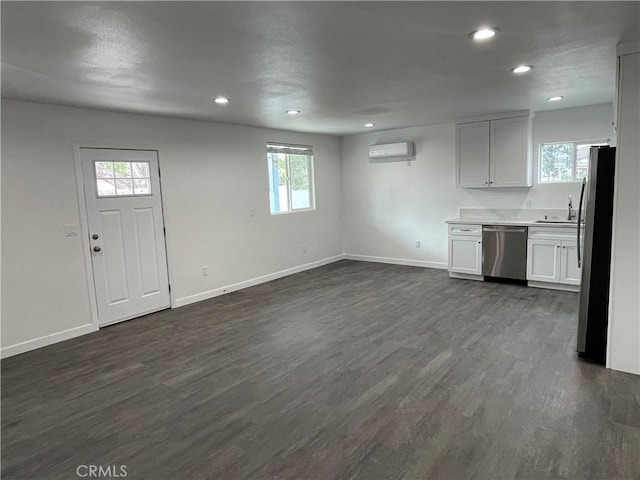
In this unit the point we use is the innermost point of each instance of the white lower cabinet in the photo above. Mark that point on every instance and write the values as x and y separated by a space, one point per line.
465 250
543 260
465 255
569 271
551 255
551 258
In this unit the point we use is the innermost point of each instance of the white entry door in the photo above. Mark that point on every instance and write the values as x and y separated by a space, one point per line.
126 232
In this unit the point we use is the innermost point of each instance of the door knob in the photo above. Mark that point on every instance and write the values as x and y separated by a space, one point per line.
96 249
95 236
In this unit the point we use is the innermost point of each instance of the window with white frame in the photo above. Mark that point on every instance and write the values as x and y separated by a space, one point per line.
122 179
290 178
562 162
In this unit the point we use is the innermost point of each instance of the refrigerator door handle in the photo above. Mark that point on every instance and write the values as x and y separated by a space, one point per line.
584 184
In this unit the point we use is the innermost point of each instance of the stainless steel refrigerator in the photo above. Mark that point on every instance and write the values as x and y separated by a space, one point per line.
594 253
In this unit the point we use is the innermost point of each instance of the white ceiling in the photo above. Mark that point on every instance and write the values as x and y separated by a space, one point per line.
396 64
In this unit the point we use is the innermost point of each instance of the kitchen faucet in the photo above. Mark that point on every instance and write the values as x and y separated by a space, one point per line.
571 215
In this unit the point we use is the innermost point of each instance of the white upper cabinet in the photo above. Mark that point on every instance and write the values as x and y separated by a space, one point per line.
472 152
510 165
493 153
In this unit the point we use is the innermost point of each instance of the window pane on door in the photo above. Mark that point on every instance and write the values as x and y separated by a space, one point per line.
141 186
124 186
122 169
104 170
106 187
140 169
114 179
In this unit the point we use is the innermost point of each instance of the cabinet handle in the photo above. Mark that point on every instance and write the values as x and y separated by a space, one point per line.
557 246
465 229
486 183
479 243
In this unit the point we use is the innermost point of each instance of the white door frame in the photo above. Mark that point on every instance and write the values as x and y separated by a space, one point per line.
84 221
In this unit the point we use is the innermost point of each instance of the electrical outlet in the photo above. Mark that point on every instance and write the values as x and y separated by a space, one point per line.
205 270
417 243
252 212
304 247
527 204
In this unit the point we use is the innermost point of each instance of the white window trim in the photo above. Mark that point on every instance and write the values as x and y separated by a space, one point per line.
606 141
308 151
96 179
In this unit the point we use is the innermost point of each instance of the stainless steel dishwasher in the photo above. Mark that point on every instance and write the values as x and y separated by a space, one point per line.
504 252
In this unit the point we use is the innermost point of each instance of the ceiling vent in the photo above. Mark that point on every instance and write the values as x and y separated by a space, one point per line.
392 152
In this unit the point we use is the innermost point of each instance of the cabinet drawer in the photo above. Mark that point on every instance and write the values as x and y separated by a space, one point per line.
460 229
553 233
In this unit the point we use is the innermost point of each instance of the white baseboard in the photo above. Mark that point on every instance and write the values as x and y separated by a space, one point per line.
554 286
180 302
46 340
396 261
466 276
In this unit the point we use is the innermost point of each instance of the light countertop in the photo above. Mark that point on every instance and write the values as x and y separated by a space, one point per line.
522 222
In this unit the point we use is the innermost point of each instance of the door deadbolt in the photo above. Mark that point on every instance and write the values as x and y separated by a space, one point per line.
96 249
95 236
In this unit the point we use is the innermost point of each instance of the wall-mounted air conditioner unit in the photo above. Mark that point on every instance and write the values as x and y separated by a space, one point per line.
392 152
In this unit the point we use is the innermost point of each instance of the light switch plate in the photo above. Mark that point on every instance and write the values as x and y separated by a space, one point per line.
70 230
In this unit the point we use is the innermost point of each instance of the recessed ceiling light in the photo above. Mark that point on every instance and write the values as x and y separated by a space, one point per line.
555 99
522 69
221 100
369 125
293 112
483 33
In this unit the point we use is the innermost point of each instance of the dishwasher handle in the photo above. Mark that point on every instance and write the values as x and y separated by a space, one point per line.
497 228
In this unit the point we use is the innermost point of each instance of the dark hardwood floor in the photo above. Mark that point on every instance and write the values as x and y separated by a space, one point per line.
353 370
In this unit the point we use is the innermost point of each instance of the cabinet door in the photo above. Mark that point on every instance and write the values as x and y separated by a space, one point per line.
569 271
510 159
465 254
472 155
543 260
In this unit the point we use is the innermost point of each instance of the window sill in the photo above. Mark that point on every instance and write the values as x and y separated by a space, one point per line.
301 210
572 182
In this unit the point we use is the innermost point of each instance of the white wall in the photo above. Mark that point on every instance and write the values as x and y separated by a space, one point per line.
212 175
624 318
388 206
